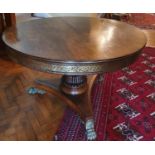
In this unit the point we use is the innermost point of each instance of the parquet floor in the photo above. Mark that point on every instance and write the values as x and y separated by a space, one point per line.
26 117
23 116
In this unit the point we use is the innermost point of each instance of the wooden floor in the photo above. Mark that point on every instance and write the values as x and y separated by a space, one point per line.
22 116
26 117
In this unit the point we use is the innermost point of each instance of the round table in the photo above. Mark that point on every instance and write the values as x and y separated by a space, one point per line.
74 47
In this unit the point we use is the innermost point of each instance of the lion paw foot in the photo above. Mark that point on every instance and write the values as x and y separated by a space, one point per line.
90 131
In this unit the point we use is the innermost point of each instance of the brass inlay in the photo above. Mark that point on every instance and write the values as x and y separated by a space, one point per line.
71 68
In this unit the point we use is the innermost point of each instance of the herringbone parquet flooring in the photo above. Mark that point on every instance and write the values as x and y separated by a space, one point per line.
23 116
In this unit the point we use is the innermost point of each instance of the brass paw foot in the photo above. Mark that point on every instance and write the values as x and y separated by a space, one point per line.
90 130
33 90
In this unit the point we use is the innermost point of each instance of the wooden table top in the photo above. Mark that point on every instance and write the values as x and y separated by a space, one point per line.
80 40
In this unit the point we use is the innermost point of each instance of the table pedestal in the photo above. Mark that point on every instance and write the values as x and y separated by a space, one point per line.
75 91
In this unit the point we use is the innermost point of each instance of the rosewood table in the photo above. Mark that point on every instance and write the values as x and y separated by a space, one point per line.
74 47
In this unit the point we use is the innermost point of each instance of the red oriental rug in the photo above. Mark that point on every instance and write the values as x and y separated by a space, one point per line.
123 103
141 20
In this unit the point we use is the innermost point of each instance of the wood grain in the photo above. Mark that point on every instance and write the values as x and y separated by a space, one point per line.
22 116
75 38
74 45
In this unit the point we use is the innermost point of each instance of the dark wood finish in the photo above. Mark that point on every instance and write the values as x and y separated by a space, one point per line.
10 19
105 15
73 42
70 96
116 16
1 23
67 38
1 30
74 46
74 85
5 21
79 101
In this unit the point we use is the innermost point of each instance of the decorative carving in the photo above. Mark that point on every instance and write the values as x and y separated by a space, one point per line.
70 68
74 85
74 81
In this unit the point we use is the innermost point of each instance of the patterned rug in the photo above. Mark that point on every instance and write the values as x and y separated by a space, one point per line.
141 20
123 103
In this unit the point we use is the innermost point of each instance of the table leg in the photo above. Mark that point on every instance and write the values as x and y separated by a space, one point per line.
75 91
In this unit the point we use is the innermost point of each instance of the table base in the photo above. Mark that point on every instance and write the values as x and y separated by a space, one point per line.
75 91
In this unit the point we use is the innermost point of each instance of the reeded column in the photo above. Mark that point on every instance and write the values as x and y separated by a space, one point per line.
74 84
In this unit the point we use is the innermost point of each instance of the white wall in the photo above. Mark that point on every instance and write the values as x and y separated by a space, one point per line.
64 14
71 14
